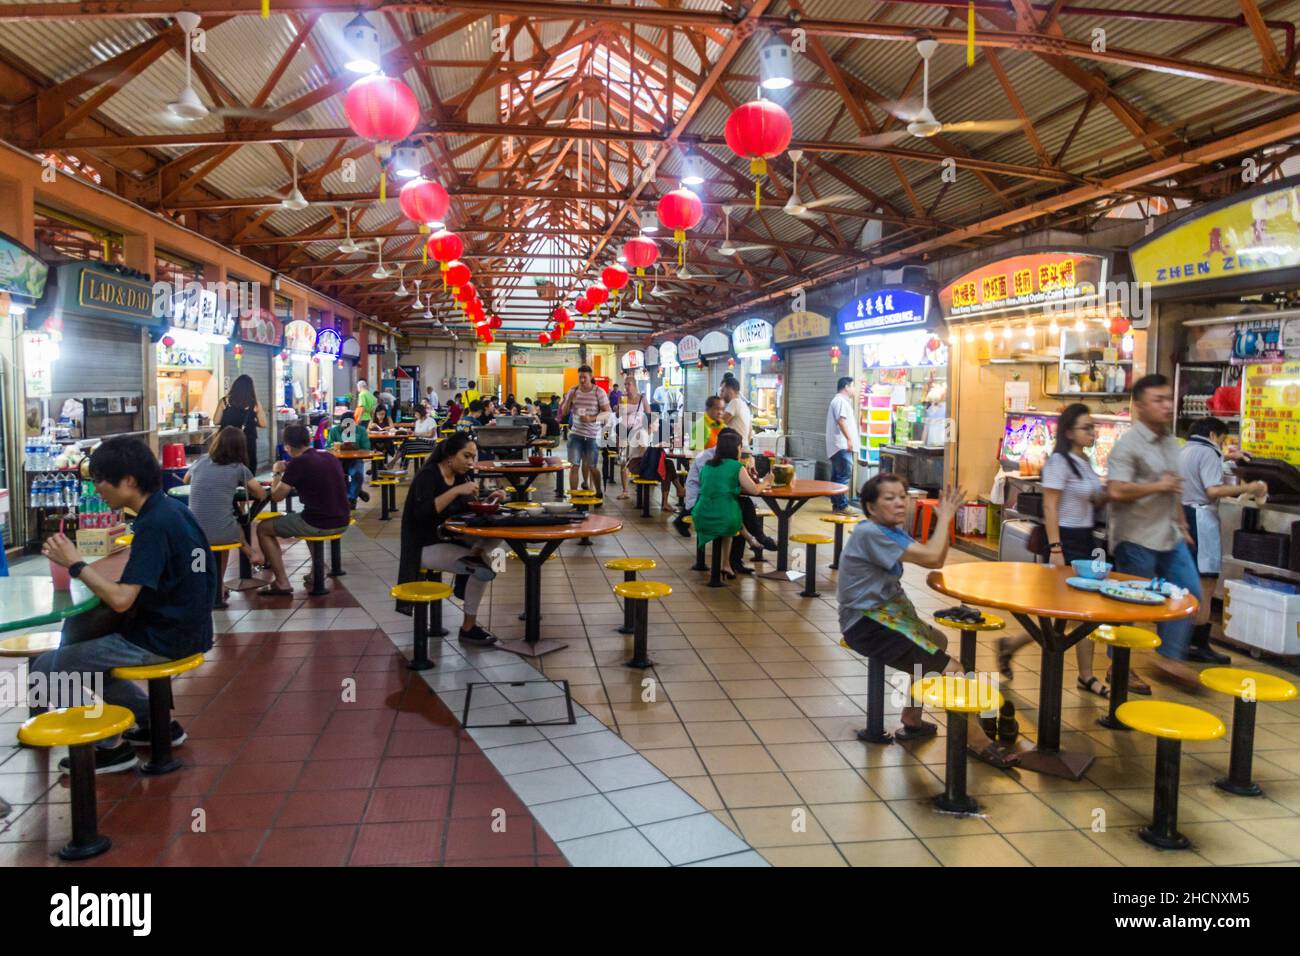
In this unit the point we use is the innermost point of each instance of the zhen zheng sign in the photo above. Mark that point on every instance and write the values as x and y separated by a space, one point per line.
883 310
1034 279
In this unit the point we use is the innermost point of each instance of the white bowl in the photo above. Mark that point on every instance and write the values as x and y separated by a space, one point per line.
557 507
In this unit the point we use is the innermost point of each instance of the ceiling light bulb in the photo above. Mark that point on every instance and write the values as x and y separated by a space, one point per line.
693 175
988 333
1079 326
1006 330
970 335
406 161
1030 331
1053 328
361 46
774 67
436 226
650 222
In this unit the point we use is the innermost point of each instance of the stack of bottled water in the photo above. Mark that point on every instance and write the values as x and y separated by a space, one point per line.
56 490
41 453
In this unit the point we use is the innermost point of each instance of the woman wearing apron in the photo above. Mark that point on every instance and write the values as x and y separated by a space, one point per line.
1204 483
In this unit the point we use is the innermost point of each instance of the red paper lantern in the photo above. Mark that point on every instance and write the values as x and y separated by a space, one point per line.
543 338
597 294
614 277
381 108
465 294
582 305
455 274
445 247
756 131
423 201
168 341
640 253
680 210
561 315
1120 325
495 322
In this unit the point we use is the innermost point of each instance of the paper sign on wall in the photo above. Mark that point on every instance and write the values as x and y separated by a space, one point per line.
1015 396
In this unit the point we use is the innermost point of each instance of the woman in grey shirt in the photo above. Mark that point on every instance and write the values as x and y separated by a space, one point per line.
1072 491
213 482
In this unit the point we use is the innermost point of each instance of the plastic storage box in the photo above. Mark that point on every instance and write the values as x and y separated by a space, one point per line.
1262 618
1013 542
805 469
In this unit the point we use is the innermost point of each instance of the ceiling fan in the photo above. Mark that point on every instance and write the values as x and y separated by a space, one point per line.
727 249
348 245
295 200
796 207
922 123
685 273
401 290
380 272
655 290
187 105
416 306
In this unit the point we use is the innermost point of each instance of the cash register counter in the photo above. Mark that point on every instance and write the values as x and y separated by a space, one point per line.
1270 518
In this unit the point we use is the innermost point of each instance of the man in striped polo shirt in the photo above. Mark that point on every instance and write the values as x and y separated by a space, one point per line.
589 405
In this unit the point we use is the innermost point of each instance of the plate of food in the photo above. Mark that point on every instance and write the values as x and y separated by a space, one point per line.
1133 595
1085 584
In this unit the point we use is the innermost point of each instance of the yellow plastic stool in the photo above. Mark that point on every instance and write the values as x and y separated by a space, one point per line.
839 521
810 541
1122 640
988 622
959 696
637 595
629 567
427 597
33 644
78 729
1247 688
159 677
316 544
643 486
1170 724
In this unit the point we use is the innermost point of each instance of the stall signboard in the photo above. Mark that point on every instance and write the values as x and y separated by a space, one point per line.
1241 236
715 344
688 349
633 359
652 356
883 310
375 348
752 337
1032 279
668 355
199 310
260 327
92 288
329 342
39 353
351 349
909 348
546 358
300 337
801 327
22 274
1270 411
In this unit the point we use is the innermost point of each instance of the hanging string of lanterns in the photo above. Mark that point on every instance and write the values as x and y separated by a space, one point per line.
445 247
424 201
384 110
641 253
614 277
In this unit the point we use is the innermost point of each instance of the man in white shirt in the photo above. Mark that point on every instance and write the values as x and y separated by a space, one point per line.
664 402
431 395
841 441
589 404
736 413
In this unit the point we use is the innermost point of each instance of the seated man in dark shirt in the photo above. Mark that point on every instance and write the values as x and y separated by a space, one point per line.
317 478
168 587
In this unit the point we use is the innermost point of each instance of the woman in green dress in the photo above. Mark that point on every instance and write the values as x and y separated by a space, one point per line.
722 481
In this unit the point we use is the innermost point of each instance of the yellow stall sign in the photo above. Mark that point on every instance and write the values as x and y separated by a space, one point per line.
1270 411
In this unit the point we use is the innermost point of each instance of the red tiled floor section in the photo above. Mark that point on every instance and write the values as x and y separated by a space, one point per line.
280 771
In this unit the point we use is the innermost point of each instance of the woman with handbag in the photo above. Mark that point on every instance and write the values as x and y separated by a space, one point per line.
1072 491
633 416
239 408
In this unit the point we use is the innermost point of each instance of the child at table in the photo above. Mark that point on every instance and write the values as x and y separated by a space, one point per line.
877 618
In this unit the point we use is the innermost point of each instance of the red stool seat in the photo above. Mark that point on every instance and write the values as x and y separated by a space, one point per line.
925 510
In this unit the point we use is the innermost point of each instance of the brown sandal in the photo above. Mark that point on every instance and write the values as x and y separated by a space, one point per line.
995 755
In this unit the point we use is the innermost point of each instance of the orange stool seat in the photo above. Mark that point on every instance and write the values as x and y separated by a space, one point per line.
925 512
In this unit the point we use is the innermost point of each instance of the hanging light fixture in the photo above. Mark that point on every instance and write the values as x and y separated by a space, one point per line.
361 45
649 221
1006 330
970 335
295 200
693 175
406 161
988 333
775 70
1079 326
1053 329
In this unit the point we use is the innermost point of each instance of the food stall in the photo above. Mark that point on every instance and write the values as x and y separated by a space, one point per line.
1034 332
715 353
804 341
306 377
189 363
1224 281
695 376
899 359
760 384
261 336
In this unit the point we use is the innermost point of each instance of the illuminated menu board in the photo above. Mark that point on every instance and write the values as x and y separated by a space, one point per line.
1027 280
1270 411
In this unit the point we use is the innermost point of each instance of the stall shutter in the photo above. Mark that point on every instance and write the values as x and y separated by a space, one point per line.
697 388
810 386
97 358
257 364
345 379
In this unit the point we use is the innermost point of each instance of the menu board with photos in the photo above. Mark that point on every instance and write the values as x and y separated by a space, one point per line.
1270 411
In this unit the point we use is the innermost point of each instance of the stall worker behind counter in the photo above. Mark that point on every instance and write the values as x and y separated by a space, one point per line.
1201 466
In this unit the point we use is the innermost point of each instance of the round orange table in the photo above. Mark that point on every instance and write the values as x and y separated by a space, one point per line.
524 474
785 500
1043 603
550 537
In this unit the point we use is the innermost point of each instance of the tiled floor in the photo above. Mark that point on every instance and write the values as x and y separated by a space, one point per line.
736 749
